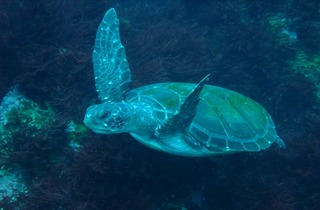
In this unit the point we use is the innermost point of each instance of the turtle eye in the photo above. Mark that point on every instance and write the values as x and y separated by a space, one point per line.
104 114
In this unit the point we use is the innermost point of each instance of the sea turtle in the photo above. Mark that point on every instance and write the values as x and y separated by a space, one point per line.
178 118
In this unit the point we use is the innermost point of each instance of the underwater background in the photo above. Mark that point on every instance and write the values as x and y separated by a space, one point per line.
266 50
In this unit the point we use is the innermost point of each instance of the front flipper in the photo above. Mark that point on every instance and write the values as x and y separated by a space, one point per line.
111 69
183 117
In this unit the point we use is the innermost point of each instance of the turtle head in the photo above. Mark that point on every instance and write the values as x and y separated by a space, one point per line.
107 118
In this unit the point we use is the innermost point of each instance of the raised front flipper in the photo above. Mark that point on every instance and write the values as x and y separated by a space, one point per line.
111 69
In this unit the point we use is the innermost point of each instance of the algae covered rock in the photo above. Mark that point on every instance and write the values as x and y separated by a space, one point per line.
11 185
20 116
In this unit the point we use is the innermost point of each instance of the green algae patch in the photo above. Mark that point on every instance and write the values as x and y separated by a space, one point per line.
11 185
29 115
278 25
308 64
24 119
77 134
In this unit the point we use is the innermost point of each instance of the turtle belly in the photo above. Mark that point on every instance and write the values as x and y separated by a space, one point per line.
175 145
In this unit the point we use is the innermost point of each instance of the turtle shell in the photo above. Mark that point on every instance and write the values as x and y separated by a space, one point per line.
226 121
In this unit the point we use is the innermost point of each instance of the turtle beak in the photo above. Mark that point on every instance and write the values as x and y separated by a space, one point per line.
91 122
90 119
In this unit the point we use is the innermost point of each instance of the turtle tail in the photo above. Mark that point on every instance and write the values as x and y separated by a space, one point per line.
281 143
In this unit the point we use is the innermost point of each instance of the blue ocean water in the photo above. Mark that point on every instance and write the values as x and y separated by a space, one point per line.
266 50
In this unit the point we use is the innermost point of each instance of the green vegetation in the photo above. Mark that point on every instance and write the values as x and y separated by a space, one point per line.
27 118
11 185
77 133
308 65
30 115
278 25
304 63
